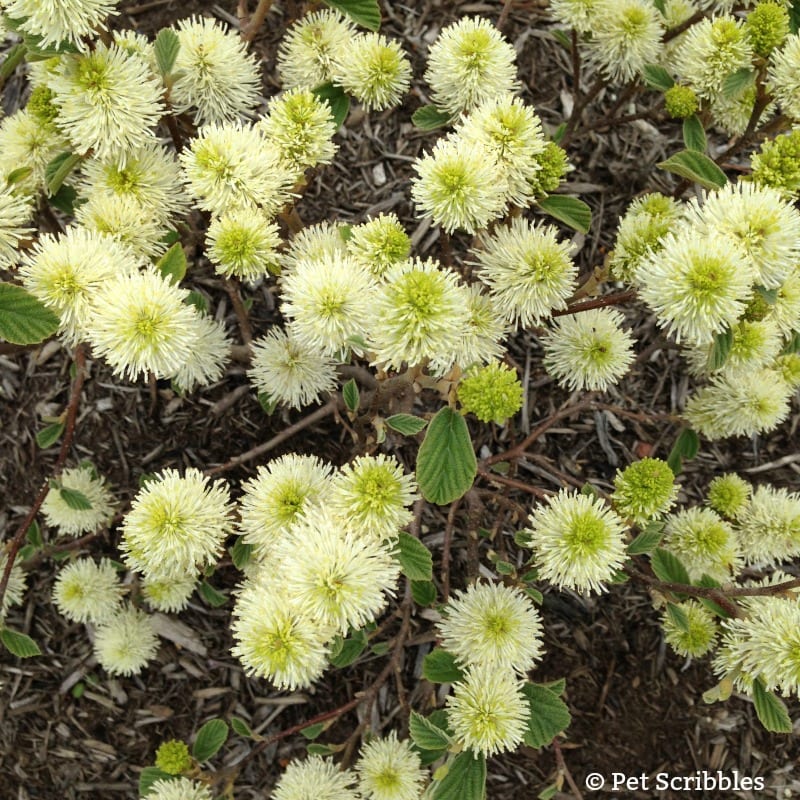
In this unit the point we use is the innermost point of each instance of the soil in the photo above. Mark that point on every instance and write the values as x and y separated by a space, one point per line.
68 731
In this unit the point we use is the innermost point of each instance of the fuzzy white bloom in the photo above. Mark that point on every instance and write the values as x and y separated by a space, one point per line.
578 14
373 69
784 76
487 710
315 779
15 214
626 36
15 590
732 114
389 769
494 625
785 311
589 350
486 328
169 594
177 524
457 187
208 356
233 165
328 303
379 243
28 141
125 643
243 242
577 541
310 47
315 243
419 315
59 20
67 272
697 284
277 640
282 490
769 526
141 323
178 789
699 634
469 62
289 372
214 72
61 513
372 495
108 101
528 271
86 591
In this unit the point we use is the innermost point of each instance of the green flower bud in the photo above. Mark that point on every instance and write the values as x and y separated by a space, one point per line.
173 757
644 490
691 630
41 106
788 366
777 164
766 26
491 393
553 165
729 495
681 101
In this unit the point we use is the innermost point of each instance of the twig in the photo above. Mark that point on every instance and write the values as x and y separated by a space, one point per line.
448 540
578 108
503 18
542 494
714 594
66 443
684 26
257 20
242 317
564 770
597 302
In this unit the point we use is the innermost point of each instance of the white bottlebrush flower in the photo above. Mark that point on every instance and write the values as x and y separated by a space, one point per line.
208 356
483 334
125 643
578 14
177 524
769 526
732 114
276 640
379 243
704 543
300 126
589 350
310 47
328 303
372 495
315 778
784 76
243 243
698 284
335 575
73 521
289 372
494 625
178 789
28 141
15 589
469 62
282 490
577 541
764 225
487 710
15 214
141 323
233 165
419 314
86 591
626 36
60 20
389 769
169 594
699 634
528 271
67 272
108 101
457 187
315 243
373 69
213 71
785 311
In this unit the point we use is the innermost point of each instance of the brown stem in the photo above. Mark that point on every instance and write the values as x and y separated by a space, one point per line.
503 18
448 540
580 104
257 20
564 770
66 443
684 26
542 494
717 595
576 61
598 302
243 318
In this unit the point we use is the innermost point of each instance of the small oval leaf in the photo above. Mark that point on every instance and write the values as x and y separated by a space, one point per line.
23 318
429 118
19 644
209 739
569 210
416 561
697 167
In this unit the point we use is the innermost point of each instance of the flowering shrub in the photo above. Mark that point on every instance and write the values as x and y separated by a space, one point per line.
131 150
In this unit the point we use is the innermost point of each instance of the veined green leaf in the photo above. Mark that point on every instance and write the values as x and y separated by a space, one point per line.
23 318
446 463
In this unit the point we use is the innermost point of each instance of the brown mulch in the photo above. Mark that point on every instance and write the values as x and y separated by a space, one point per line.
67 730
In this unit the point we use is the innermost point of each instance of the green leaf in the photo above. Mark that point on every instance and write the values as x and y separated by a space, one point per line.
213 597
439 666
197 300
661 6
241 728
549 715
697 167
794 16
562 37
678 617
166 48
149 775
49 435
34 535
350 395
407 424
429 118
686 446
322 749
647 540
426 735
720 350
336 99
17 175
363 12
209 739
657 77
667 567
19 644
446 463
465 779
548 792
569 210
351 649
268 404
416 561
694 137
76 500
57 170
556 687
241 553
312 731
173 263
792 344
771 709
14 57
768 295
735 83
65 199
423 592
23 318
